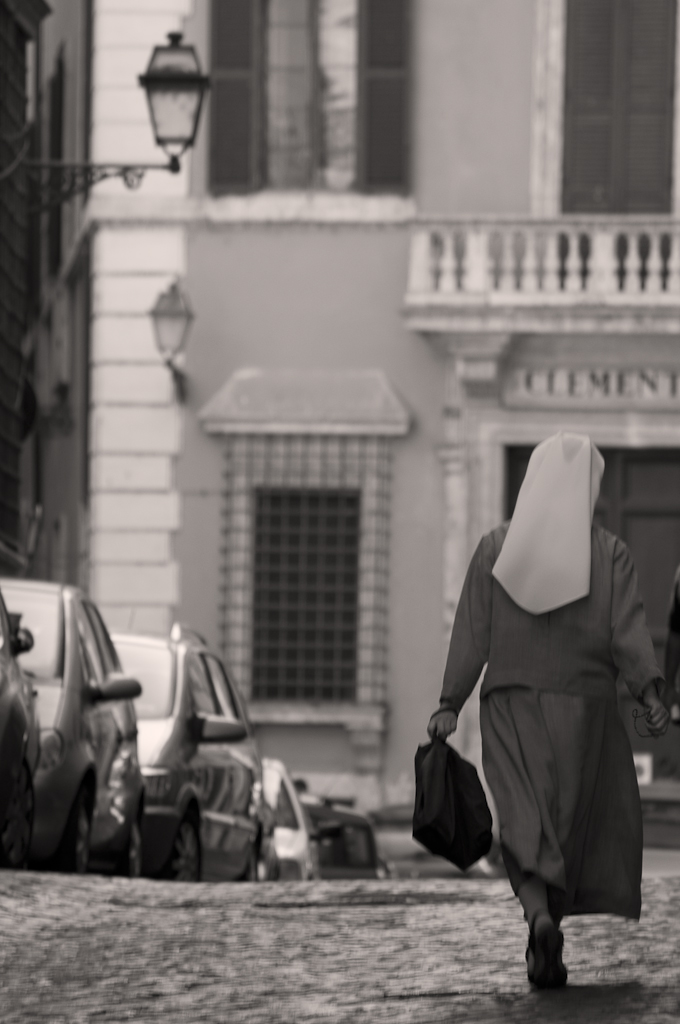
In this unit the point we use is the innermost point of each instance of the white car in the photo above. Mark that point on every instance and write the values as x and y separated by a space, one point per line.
295 851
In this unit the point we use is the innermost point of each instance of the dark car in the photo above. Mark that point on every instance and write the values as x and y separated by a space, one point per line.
88 786
345 842
19 746
203 811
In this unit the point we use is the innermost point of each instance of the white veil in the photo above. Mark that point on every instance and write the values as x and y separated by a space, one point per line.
545 559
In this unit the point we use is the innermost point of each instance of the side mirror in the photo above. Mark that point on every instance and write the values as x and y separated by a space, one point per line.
217 730
117 687
21 641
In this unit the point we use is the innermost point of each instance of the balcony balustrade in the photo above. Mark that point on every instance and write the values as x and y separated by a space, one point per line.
570 274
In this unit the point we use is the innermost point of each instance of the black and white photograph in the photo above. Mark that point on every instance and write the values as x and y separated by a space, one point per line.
339 511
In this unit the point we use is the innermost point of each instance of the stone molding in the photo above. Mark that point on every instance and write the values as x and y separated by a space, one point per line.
365 725
354 717
306 402
547 109
261 208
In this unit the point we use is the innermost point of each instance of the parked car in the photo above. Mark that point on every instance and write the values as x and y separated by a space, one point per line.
295 852
346 843
203 812
19 746
88 786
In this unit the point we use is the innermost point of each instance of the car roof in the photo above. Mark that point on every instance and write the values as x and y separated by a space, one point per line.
142 639
329 812
48 586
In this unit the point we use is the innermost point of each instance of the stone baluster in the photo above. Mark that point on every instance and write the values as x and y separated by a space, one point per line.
654 262
602 265
551 260
673 280
447 264
476 276
530 261
421 273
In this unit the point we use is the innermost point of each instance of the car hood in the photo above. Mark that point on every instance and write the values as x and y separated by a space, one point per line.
152 737
48 702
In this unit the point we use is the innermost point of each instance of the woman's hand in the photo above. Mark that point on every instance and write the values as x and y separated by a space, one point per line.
442 724
657 717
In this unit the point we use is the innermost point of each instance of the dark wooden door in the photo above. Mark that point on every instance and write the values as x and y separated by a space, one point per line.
639 502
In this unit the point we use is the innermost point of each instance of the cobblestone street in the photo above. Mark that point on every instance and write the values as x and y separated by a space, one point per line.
108 950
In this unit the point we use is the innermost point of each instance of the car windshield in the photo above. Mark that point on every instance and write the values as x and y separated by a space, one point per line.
41 613
153 666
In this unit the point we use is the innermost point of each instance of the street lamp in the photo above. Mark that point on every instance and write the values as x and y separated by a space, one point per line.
174 88
172 317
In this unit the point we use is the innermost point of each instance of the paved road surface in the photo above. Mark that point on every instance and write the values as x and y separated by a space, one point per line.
76 950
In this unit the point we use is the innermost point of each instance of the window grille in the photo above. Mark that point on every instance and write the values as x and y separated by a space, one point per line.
305 594
261 470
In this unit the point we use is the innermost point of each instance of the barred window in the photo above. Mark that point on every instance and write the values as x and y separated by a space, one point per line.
305 600
280 505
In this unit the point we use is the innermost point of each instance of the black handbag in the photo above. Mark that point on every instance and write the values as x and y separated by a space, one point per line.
451 817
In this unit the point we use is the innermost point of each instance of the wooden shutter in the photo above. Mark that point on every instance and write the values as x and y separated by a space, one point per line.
618 126
56 137
235 95
589 115
649 142
384 95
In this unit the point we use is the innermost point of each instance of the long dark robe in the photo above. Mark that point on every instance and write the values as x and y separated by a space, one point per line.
554 749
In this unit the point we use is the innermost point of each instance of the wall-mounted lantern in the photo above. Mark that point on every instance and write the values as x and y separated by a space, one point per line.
174 88
172 317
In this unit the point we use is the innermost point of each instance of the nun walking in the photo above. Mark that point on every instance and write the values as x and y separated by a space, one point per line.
551 606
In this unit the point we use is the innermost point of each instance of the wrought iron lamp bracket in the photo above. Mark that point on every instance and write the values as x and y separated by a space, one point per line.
57 182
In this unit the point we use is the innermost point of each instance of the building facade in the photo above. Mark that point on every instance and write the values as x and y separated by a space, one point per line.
19 26
417 237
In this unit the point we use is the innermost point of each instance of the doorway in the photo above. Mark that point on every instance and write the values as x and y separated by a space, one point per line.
639 502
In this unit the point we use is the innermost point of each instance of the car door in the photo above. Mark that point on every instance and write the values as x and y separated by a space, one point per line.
211 770
244 766
99 724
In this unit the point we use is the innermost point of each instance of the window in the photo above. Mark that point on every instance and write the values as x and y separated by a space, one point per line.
93 669
222 689
39 611
153 665
259 466
285 814
109 656
345 846
618 130
309 94
203 699
305 594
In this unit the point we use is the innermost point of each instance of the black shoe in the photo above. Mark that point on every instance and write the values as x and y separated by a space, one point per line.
548 969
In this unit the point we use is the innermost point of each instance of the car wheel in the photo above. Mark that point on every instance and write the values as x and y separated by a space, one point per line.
130 863
15 838
251 873
74 851
184 863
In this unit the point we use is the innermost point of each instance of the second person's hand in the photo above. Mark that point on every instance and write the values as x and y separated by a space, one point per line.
656 716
